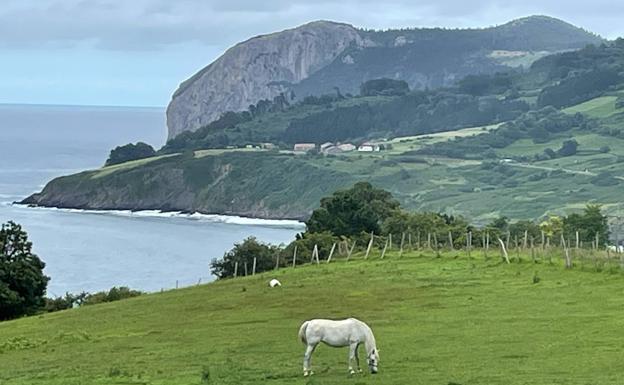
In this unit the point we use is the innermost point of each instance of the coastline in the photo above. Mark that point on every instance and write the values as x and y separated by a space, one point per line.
233 219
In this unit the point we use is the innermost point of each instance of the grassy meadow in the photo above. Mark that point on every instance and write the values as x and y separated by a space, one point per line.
447 319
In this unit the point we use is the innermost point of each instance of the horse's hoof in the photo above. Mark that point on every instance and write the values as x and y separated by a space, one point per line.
305 374
351 372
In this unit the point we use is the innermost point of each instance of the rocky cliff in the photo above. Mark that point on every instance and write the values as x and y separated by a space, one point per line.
318 57
259 68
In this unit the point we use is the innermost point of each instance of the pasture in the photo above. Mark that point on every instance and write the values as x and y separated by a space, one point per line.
446 319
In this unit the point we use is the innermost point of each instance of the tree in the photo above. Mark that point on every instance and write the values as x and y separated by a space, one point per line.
22 282
588 224
244 253
350 212
130 152
568 148
384 86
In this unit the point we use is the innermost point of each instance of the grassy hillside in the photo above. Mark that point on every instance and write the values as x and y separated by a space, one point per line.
515 180
447 320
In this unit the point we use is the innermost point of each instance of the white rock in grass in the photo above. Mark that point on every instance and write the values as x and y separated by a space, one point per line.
274 283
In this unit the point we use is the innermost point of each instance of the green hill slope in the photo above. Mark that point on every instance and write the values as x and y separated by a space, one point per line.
437 321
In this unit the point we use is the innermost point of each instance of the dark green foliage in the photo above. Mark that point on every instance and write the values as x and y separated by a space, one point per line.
75 300
244 253
538 125
130 152
579 88
605 179
412 114
361 208
568 148
114 294
588 224
480 85
384 87
305 246
64 302
22 282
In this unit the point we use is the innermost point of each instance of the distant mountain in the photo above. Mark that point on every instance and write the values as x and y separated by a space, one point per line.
325 57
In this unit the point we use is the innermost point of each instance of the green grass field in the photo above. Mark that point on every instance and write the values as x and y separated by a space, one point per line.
446 320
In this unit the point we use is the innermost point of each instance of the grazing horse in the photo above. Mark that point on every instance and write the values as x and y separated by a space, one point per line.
349 332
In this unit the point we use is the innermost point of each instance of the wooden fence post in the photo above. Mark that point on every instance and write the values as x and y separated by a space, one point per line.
577 240
351 250
402 242
418 240
370 244
295 257
504 250
315 256
245 266
253 269
568 260
331 253
383 253
409 240
469 242
532 251
437 245
277 262
451 241
235 269
526 236
543 240
390 240
429 241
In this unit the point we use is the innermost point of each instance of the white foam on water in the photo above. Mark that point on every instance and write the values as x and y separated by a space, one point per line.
213 218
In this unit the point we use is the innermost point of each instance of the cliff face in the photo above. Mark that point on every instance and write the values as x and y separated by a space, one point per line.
259 68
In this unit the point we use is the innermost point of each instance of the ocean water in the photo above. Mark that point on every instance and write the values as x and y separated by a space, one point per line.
90 251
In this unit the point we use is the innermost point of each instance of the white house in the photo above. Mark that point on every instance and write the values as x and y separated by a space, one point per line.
368 147
346 147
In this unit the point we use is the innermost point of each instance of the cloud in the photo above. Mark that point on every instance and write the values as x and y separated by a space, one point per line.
156 24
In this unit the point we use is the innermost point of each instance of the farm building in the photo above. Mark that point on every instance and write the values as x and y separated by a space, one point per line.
369 147
346 147
304 147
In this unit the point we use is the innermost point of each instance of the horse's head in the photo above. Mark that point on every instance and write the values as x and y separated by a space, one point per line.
373 360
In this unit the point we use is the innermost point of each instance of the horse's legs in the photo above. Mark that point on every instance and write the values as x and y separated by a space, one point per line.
357 359
353 356
306 359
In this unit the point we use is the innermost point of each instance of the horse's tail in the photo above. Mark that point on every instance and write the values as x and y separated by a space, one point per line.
302 332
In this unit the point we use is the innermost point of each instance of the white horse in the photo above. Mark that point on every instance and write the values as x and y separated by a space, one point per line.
349 332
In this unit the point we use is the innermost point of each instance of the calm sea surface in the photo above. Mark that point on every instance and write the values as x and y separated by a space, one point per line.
90 251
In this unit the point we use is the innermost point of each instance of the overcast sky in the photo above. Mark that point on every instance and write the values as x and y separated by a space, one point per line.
136 52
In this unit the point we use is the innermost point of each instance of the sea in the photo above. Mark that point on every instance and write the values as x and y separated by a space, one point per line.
96 250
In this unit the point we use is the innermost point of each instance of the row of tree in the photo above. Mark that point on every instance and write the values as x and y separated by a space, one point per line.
352 215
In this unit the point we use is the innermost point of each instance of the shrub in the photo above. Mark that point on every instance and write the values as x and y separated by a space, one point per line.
130 152
604 179
568 148
244 253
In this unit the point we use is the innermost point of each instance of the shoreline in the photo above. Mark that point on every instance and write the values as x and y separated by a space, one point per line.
196 216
